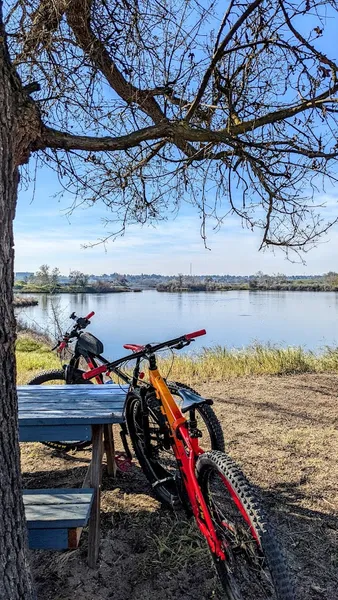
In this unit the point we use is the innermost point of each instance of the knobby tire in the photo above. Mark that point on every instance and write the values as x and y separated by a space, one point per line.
255 568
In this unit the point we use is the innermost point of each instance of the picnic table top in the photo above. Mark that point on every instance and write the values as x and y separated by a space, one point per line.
70 404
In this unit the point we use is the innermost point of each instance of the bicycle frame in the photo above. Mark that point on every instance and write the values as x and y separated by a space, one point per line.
186 450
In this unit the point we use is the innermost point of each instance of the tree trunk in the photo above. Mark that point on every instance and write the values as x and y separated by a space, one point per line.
15 579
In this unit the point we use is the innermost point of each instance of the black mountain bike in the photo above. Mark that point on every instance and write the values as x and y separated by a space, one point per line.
87 352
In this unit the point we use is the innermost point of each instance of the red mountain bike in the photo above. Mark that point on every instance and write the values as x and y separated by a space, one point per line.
209 484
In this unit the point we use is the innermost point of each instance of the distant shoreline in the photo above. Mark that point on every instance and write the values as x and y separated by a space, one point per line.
244 288
75 291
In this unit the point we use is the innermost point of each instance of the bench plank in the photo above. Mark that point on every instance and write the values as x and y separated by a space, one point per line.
57 496
50 433
57 509
72 393
58 516
46 417
48 539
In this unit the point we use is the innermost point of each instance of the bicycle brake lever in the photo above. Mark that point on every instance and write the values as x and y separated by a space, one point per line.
182 344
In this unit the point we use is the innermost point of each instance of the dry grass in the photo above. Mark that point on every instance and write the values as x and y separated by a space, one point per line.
212 364
220 363
283 431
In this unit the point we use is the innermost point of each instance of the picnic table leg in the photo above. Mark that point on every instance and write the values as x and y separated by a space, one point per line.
109 447
95 482
86 481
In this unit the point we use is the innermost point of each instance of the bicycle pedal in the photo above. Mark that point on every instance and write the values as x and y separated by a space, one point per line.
123 462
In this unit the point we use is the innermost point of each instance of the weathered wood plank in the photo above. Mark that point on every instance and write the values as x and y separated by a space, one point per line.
50 433
74 537
44 418
57 496
109 447
58 516
73 411
70 392
48 539
86 402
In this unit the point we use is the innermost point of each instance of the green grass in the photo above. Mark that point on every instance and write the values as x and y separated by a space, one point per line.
214 364
33 355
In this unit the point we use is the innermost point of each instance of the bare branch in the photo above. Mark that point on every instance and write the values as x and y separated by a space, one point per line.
52 138
218 55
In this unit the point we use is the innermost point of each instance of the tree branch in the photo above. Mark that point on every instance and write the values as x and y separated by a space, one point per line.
45 21
284 113
78 16
322 57
59 140
218 55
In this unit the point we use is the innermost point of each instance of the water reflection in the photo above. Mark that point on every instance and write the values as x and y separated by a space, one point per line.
287 318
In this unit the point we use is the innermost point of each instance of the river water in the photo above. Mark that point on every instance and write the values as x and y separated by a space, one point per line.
233 319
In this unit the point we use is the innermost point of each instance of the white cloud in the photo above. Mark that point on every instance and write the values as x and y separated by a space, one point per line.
168 249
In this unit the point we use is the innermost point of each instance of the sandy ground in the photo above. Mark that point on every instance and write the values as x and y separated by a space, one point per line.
283 431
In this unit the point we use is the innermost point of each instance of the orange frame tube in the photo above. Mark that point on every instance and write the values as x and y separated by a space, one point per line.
186 450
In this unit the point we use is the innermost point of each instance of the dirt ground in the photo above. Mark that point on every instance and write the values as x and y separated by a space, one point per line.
283 431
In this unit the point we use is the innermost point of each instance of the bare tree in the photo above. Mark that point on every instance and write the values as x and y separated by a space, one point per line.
79 279
235 112
143 104
43 275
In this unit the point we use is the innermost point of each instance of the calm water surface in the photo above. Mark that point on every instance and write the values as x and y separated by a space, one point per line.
234 319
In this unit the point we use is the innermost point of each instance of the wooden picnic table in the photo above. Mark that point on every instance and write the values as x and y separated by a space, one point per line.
76 412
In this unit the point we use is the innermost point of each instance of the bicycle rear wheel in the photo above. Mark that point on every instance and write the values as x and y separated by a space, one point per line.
254 568
58 378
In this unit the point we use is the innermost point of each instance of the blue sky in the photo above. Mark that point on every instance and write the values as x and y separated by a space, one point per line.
45 232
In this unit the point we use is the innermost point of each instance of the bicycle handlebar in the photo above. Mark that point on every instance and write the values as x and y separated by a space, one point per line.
148 349
80 323
91 314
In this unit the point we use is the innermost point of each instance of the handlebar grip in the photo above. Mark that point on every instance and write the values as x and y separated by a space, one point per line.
91 314
195 334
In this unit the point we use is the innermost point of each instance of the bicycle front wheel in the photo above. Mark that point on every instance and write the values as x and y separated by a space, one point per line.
254 568
58 378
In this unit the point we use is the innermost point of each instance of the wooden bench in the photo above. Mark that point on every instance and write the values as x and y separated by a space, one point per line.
55 518
75 412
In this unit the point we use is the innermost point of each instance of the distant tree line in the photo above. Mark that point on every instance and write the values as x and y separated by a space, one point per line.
50 280
260 281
